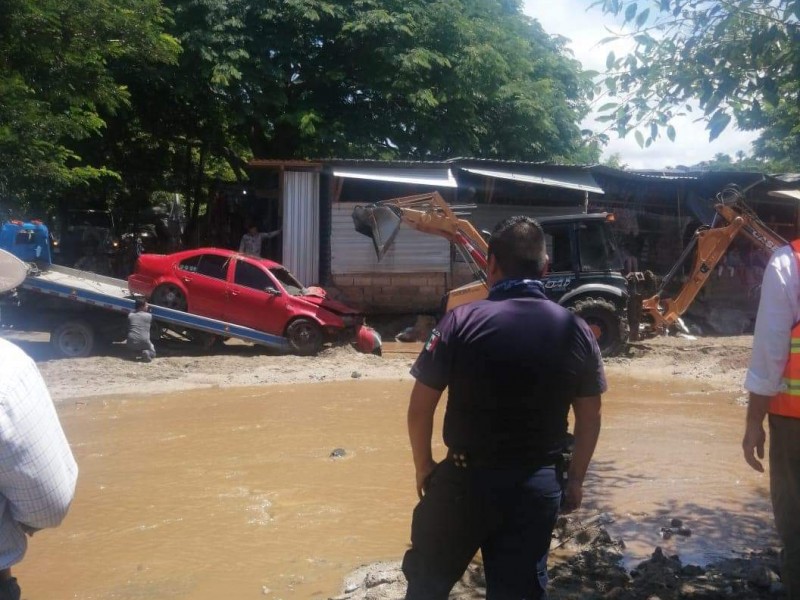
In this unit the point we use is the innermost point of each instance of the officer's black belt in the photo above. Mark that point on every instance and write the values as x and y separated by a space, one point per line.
464 459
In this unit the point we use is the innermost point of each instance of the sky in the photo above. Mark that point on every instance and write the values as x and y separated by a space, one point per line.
585 29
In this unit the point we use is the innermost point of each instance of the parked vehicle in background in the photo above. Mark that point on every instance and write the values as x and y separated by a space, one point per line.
86 234
256 293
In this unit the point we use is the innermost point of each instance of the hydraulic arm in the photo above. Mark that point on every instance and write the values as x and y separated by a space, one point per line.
709 245
428 213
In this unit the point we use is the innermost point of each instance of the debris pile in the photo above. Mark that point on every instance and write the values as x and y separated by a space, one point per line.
587 565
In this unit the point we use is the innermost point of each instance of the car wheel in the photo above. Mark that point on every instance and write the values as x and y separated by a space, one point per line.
169 295
605 321
72 339
305 337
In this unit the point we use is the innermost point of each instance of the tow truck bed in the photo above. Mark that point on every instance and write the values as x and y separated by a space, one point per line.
112 294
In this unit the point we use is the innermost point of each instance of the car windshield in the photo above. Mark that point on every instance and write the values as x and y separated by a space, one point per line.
287 280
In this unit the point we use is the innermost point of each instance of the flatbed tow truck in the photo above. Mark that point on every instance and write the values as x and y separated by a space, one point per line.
81 309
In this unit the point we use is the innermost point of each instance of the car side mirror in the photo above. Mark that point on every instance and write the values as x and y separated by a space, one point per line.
272 291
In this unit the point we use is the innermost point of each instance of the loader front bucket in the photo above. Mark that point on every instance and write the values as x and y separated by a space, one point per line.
380 223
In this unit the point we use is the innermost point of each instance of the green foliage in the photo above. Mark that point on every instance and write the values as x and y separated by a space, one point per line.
614 161
116 99
410 79
742 162
55 83
738 60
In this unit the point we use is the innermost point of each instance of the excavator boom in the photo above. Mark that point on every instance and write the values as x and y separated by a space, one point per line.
428 213
709 245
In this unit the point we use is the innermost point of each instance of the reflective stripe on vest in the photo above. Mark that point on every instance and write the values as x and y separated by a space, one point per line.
787 402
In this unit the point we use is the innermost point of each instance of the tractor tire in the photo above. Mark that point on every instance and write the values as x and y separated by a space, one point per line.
305 337
607 323
73 339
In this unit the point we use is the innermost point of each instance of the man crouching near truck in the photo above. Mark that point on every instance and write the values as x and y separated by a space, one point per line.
139 322
513 364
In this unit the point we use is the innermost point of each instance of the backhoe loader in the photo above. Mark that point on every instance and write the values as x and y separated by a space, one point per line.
585 265
733 217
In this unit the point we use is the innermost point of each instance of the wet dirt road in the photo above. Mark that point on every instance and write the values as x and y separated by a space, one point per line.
233 494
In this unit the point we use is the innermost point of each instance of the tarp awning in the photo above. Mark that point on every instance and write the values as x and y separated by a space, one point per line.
575 180
433 177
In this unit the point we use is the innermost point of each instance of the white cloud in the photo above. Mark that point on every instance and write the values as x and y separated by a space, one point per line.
585 29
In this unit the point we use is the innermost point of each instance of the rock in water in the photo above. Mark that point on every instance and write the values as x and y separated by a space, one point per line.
338 453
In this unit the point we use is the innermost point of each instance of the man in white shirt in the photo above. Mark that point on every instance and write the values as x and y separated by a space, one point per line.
772 381
252 240
37 470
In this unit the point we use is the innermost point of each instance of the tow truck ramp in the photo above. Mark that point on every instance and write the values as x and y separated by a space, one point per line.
113 294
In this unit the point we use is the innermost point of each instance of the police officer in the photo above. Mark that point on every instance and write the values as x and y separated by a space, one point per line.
513 364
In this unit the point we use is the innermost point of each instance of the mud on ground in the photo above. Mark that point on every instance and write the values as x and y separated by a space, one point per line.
587 563
717 363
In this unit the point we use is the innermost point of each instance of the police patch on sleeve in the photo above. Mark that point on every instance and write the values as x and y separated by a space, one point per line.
433 340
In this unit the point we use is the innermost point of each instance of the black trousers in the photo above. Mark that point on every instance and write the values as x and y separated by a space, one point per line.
784 483
507 513
9 589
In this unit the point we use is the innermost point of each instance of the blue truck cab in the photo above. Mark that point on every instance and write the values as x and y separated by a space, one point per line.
28 241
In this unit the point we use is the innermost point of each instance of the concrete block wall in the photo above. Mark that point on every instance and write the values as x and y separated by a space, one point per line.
390 293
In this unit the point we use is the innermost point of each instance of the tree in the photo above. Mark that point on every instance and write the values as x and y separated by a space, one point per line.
413 79
739 61
176 94
382 79
55 82
614 161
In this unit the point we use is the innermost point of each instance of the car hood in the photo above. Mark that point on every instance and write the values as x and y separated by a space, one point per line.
316 296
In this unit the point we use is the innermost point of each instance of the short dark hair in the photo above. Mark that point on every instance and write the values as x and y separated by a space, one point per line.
139 304
518 246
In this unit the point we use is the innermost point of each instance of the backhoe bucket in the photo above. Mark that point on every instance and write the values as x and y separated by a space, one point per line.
380 223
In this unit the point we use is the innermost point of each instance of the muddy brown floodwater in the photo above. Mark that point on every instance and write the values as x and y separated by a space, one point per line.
233 493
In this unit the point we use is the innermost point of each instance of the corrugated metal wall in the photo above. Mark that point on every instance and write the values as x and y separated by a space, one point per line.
301 225
412 251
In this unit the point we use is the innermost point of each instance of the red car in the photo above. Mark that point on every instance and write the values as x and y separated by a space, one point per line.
249 291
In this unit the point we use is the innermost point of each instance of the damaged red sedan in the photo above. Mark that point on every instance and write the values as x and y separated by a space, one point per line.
253 292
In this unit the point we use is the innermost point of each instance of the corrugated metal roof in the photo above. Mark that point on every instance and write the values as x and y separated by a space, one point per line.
412 251
577 180
434 177
285 164
372 162
465 161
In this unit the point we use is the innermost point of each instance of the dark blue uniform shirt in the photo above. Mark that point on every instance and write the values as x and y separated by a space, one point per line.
513 364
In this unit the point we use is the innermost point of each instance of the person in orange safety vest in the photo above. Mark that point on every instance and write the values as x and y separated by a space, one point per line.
773 381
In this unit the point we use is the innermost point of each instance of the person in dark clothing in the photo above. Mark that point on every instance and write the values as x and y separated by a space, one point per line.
139 322
514 364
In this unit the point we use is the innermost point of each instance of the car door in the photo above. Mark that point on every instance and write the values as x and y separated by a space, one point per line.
204 277
255 299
